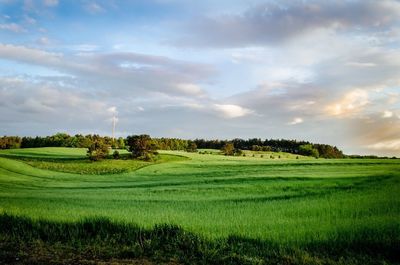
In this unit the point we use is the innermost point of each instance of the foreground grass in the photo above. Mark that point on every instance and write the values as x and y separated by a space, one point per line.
295 209
99 240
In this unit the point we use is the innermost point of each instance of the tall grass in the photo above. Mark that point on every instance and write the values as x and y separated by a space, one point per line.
102 239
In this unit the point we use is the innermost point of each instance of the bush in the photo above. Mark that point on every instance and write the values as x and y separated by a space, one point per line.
98 150
192 147
116 154
142 147
308 150
238 152
228 149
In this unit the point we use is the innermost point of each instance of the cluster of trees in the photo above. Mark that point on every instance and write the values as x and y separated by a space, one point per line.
308 150
255 144
98 149
59 140
10 142
142 147
275 145
171 143
192 147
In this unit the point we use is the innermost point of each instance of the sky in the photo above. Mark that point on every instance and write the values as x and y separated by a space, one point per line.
322 71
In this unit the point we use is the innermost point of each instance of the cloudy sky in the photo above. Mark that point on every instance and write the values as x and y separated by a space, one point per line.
322 71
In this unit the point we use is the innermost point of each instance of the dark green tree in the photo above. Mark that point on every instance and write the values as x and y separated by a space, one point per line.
116 154
238 152
192 147
98 150
308 150
142 147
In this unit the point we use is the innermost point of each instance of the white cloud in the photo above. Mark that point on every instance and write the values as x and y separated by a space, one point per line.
386 145
351 103
190 89
359 64
296 121
84 47
232 111
12 27
28 55
194 105
112 110
104 71
46 105
387 114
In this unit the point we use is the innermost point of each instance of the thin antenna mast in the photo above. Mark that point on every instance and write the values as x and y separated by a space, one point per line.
113 127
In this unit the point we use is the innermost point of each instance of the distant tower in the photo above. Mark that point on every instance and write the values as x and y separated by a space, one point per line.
114 119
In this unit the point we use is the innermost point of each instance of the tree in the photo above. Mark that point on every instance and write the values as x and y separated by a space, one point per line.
192 147
97 150
116 154
308 150
142 147
238 152
228 149
121 143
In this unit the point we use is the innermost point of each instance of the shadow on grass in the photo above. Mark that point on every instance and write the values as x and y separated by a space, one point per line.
27 241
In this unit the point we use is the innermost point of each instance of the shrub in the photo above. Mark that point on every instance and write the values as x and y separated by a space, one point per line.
238 152
142 147
308 150
116 154
228 149
98 150
192 147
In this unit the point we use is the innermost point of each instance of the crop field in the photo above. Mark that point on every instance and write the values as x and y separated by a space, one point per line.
334 206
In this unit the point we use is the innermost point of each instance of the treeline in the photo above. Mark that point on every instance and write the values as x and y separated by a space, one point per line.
275 145
59 140
254 144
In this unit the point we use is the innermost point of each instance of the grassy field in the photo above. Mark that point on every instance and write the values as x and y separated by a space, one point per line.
329 208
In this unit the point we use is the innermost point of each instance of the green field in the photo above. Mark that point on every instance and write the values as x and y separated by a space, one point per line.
291 203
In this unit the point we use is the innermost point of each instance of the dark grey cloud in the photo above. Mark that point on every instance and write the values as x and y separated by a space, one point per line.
276 22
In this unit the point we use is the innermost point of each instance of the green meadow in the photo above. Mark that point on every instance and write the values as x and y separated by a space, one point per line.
330 210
